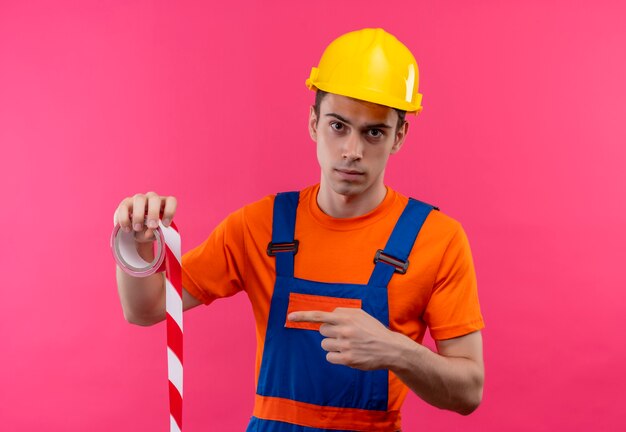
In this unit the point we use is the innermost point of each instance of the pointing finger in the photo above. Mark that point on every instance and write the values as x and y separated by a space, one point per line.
313 316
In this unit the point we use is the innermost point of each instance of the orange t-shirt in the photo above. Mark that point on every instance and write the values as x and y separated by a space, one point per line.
438 289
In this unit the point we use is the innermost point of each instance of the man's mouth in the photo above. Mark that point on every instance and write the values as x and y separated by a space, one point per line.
349 174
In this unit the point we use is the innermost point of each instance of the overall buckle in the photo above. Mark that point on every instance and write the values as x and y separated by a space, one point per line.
273 248
399 266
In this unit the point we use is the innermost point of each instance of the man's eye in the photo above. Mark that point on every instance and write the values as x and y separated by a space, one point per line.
337 126
375 133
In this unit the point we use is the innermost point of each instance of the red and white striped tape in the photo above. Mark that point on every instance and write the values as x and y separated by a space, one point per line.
168 258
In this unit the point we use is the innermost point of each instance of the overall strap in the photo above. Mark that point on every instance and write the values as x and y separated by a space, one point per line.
394 258
283 245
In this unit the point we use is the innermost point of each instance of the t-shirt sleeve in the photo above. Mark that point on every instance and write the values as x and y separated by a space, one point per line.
215 268
453 309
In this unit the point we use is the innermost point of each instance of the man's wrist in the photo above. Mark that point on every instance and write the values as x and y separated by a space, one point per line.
404 352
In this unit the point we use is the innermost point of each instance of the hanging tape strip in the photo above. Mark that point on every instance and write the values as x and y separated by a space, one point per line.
168 259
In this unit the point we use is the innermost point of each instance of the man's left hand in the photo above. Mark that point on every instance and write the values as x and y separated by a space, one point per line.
352 337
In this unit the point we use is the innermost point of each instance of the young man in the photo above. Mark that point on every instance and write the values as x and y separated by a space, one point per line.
344 276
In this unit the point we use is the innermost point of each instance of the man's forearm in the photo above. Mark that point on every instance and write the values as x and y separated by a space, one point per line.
453 383
142 299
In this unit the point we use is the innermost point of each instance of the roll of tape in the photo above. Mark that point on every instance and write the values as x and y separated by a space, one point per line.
167 258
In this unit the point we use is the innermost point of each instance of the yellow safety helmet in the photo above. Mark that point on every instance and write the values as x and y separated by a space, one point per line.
370 65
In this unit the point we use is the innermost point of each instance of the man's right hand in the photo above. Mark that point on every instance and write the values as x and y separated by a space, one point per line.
141 213
143 298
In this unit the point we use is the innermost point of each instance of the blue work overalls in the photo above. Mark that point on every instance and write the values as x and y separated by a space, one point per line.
294 365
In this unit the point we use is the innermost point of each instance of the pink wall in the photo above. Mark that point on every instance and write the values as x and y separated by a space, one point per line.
521 138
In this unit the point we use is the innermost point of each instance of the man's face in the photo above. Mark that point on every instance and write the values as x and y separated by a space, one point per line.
354 140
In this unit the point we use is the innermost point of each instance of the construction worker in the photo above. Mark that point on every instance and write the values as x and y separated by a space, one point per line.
344 276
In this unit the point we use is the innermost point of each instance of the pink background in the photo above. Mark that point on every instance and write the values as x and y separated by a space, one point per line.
521 138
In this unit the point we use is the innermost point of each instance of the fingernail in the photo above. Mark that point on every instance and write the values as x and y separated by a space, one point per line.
291 316
126 228
152 223
166 221
137 227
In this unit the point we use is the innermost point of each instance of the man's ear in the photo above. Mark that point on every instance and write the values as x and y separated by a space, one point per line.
399 138
313 123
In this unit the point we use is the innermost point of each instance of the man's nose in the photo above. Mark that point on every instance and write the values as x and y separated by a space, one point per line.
353 148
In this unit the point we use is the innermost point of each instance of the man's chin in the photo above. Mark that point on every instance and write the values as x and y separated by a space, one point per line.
348 189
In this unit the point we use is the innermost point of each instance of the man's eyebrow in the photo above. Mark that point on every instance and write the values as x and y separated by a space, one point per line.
338 117
367 126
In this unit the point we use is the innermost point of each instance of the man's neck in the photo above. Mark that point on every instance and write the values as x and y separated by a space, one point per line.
349 206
